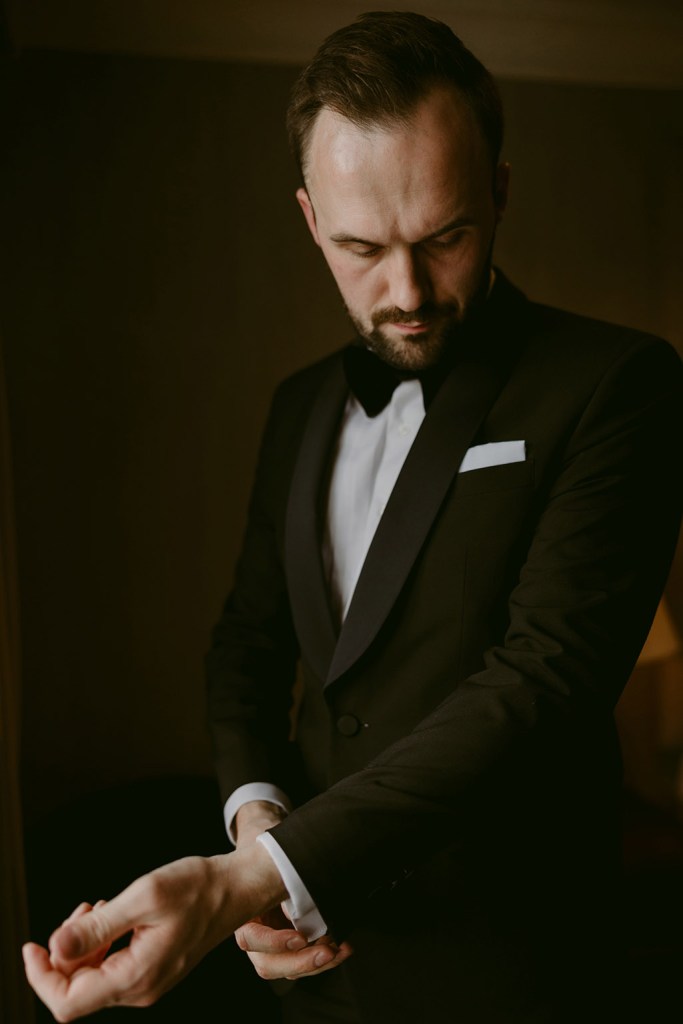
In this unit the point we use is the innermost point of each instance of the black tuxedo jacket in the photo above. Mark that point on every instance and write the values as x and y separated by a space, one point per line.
453 753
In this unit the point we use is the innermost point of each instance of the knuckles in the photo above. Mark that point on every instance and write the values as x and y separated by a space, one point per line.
153 889
163 885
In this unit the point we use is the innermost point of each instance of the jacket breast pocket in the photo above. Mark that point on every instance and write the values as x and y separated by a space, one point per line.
506 477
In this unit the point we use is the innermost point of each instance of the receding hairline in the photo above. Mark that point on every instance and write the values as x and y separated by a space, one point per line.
375 70
394 120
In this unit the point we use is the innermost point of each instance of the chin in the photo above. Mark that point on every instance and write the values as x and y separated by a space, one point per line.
412 354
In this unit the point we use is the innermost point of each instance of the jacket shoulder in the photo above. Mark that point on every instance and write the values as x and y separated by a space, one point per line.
578 351
590 335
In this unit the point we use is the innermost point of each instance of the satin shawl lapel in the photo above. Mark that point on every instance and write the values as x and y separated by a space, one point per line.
445 435
308 590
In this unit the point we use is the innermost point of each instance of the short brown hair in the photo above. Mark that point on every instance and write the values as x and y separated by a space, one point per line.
375 70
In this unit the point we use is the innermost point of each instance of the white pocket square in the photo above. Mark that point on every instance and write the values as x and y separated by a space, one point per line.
498 453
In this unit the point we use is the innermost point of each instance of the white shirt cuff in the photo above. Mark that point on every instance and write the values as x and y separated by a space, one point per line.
299 908
252 791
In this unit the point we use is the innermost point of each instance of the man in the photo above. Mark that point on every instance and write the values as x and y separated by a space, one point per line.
460 528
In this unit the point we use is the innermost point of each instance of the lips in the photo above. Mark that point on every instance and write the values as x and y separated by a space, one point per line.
412 328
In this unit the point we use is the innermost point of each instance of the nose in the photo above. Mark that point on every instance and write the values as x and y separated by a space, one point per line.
408 280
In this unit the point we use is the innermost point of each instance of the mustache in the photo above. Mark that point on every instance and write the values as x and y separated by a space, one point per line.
428 311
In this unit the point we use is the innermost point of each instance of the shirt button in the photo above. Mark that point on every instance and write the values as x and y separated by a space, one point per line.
403 429
348 725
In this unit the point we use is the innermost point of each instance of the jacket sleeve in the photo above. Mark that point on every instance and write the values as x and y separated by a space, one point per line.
577 617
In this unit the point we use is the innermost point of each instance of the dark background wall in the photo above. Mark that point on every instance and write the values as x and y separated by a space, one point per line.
156 282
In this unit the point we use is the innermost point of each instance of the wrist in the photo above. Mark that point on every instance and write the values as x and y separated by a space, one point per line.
255 817
249 882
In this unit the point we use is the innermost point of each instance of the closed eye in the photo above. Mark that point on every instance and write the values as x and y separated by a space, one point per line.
447 238
357 246
367 252
447 241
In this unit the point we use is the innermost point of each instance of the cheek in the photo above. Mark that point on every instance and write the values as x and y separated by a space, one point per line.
357 282
460 272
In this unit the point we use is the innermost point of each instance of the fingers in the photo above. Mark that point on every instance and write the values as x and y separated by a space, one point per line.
323 961
50 985
60 981
87 990
314 959
67 998
255 937
284 953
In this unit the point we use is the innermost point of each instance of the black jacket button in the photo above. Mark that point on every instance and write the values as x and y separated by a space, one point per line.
348 725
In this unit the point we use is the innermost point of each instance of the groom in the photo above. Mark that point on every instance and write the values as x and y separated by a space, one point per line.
460 528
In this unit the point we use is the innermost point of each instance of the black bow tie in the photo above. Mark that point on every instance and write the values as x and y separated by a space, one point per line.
373 381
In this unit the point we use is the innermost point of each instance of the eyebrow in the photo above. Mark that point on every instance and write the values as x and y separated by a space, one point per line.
459 222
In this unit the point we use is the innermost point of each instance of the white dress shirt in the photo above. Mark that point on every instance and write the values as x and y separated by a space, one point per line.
368 459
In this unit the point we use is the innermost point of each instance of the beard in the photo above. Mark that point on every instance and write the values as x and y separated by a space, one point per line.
412 353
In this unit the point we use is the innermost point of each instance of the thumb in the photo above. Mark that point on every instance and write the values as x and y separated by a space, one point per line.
79 936
76 939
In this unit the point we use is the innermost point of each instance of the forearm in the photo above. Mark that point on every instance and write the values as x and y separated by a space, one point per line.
530 728
248 884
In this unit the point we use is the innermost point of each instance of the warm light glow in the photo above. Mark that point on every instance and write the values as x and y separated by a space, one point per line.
663 640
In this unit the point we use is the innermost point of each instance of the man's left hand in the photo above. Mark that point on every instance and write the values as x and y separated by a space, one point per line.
278 951
174 916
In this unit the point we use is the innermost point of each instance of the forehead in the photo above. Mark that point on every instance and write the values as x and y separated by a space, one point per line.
402 175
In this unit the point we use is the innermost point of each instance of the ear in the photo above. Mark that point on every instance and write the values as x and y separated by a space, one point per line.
306 205
501 187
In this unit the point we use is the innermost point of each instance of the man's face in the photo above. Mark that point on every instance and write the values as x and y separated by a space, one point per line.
405 216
